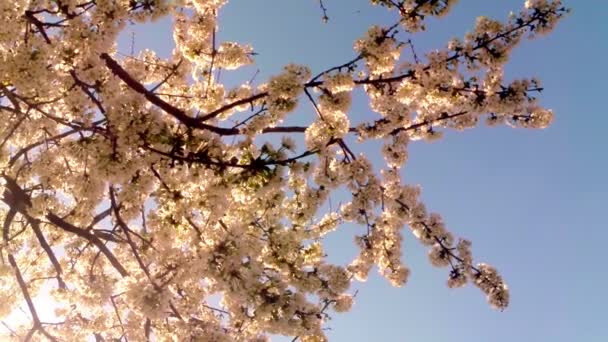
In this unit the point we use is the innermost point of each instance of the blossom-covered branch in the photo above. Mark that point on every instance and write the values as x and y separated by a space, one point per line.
158 203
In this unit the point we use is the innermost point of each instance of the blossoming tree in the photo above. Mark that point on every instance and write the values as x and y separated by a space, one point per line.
159 204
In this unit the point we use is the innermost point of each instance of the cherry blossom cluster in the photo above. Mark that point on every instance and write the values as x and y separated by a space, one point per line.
157 203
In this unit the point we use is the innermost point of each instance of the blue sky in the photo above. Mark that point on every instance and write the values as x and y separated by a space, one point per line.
531 201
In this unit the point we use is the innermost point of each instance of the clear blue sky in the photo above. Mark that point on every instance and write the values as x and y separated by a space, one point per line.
531 201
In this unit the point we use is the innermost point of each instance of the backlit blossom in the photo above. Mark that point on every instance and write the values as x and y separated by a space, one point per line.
175 198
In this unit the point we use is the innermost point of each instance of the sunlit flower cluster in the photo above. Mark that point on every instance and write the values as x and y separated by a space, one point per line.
154 202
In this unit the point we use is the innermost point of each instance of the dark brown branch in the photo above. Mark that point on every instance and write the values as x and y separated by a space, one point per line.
13 130
47 248
99 217
85 88
20 280
147 329
39 25
122 327
25 292
325 18
157 101
122 224
85 234
428 122
57 137
16 198
232 105
166 79
10 96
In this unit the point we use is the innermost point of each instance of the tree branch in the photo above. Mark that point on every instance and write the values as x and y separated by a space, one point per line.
17 199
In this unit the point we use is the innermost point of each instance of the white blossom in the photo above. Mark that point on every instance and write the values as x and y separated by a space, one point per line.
159 199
